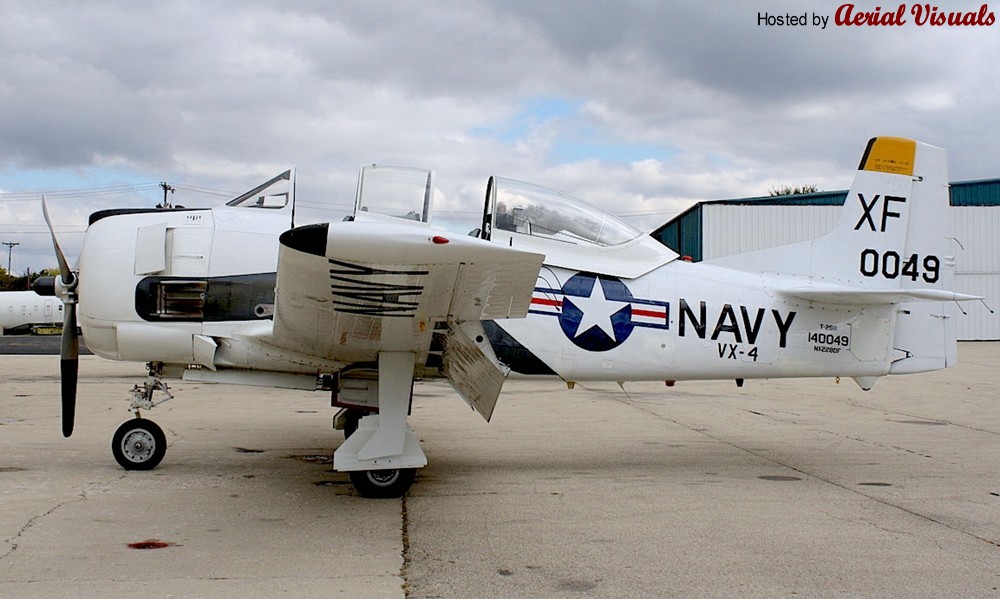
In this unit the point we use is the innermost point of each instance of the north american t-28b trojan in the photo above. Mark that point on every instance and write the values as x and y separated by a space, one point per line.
547 286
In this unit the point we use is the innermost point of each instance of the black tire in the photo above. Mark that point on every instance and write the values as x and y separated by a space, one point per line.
383 484
139 444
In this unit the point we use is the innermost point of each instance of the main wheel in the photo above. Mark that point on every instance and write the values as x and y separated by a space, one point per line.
383 484
139 444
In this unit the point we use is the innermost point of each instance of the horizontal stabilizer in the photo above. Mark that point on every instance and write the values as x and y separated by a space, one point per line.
835 294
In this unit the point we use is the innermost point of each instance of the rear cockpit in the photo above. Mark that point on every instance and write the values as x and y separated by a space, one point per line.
571 233
528 209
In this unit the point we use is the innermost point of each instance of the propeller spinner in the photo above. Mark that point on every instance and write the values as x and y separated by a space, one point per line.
69 351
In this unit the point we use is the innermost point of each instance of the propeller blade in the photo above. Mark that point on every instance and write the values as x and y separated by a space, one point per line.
69 351
69 364
64 270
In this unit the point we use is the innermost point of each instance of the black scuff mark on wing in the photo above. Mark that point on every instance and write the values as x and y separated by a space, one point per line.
355 292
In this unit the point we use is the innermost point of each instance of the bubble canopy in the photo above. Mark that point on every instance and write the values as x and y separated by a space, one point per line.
527 209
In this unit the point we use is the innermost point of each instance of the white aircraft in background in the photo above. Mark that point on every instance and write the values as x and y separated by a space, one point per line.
546 286
20 311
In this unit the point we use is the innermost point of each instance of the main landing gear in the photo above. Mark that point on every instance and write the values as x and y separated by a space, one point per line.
140 444
381 453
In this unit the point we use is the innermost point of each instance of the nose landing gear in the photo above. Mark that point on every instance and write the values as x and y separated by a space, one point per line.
140 444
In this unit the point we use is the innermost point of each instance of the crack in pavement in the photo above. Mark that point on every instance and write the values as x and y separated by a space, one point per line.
404 569
81 497
12 541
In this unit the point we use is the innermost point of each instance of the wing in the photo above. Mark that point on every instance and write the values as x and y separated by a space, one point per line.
347 291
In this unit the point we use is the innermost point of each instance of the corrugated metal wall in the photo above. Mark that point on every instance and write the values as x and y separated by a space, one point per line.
683 234
977 269
734 229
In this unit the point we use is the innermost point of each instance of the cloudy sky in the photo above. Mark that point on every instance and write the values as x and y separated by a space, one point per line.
641 107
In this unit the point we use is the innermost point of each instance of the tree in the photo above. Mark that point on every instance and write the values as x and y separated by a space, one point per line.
788 190
11 282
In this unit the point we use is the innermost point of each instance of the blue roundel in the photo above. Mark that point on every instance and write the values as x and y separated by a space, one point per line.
596 311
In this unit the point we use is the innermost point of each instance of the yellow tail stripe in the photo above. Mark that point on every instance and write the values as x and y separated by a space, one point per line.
889 155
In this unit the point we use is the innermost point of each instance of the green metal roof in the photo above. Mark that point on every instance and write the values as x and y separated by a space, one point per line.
819 198
985 192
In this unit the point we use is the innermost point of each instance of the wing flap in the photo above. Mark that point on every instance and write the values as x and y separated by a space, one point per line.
477 376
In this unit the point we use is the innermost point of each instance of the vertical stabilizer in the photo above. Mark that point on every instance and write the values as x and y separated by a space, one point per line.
893 229
900 239
890 246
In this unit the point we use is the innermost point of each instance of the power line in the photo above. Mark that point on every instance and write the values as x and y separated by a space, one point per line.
44 230
77 193
206 190
15 196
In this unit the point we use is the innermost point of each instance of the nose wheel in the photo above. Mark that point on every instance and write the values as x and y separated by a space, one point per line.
139 444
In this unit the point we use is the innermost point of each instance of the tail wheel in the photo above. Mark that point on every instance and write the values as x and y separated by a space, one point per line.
139 444
383 484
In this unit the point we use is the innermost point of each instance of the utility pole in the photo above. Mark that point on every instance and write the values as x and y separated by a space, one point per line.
166 187
10 250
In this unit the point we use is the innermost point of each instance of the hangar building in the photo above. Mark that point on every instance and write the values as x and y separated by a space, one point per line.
720 228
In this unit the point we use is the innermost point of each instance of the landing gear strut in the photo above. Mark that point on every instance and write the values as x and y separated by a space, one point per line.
140 444
347 420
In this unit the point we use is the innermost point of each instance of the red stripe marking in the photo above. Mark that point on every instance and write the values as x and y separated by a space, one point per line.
546 302
649 313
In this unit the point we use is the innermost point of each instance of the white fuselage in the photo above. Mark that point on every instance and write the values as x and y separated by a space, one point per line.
693 321
19 310
677 321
